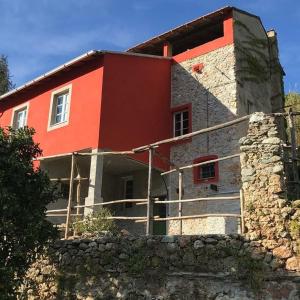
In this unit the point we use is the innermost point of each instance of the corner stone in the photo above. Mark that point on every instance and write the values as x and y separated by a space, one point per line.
293 263
282 252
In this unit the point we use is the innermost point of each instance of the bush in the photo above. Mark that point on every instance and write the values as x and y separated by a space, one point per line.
95 223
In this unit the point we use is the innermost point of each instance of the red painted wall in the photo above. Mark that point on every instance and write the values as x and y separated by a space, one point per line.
84 120
136 103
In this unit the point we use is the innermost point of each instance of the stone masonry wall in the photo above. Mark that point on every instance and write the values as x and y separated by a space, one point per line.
269 217
180 268
212 95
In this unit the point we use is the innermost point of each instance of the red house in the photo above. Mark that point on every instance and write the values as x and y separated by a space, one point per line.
186 79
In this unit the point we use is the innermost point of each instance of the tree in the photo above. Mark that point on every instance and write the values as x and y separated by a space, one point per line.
5 78
24 193
292 100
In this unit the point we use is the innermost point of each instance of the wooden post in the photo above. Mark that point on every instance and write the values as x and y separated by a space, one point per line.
180 174
149 225
70 196
294 151
78 192
242 211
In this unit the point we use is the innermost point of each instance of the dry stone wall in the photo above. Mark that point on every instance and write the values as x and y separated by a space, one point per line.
270 218
156 267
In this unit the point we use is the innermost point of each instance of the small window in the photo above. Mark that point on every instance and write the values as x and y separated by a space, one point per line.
207 172
20 117
181 122
60 107
128 190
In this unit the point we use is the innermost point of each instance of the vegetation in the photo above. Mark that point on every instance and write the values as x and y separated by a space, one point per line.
24 193
5 78
292 100
95 223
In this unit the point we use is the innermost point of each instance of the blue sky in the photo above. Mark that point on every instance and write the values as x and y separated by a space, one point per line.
38 35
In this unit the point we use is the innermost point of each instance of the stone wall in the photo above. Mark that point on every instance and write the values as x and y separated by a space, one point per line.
212 95
269 217
129 267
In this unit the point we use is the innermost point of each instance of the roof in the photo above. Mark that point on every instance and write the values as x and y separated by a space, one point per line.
182 30
69 65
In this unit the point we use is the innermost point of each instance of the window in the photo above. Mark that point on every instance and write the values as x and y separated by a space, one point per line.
128 190
208 172
20 117
181 120
59 109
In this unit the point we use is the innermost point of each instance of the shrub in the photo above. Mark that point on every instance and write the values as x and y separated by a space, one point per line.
95 223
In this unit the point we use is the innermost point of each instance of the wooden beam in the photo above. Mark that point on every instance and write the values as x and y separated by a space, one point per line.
70 195
189 135
180 174
191 217
56 210
68 179
197 216
144 201
201 163
149 225
106 153
199 199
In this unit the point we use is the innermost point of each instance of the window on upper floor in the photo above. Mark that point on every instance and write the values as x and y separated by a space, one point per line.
207 172
20 117
59 108
181 120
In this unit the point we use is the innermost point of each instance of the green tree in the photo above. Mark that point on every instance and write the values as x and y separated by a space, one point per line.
24 193
292 100
5 78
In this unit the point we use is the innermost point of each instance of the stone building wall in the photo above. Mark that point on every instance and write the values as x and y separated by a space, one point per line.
258 70
212 95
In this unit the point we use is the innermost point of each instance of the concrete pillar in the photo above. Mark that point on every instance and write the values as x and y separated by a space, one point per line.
95 185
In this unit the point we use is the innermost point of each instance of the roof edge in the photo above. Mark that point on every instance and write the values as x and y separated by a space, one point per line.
72 62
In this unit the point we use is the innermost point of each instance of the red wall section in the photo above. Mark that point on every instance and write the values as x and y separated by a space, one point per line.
227 39
84 121
136 103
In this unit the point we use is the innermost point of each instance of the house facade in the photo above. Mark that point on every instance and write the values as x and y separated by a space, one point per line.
214 69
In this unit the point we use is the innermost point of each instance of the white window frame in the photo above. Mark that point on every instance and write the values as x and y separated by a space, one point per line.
180 112
53 105
17 109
